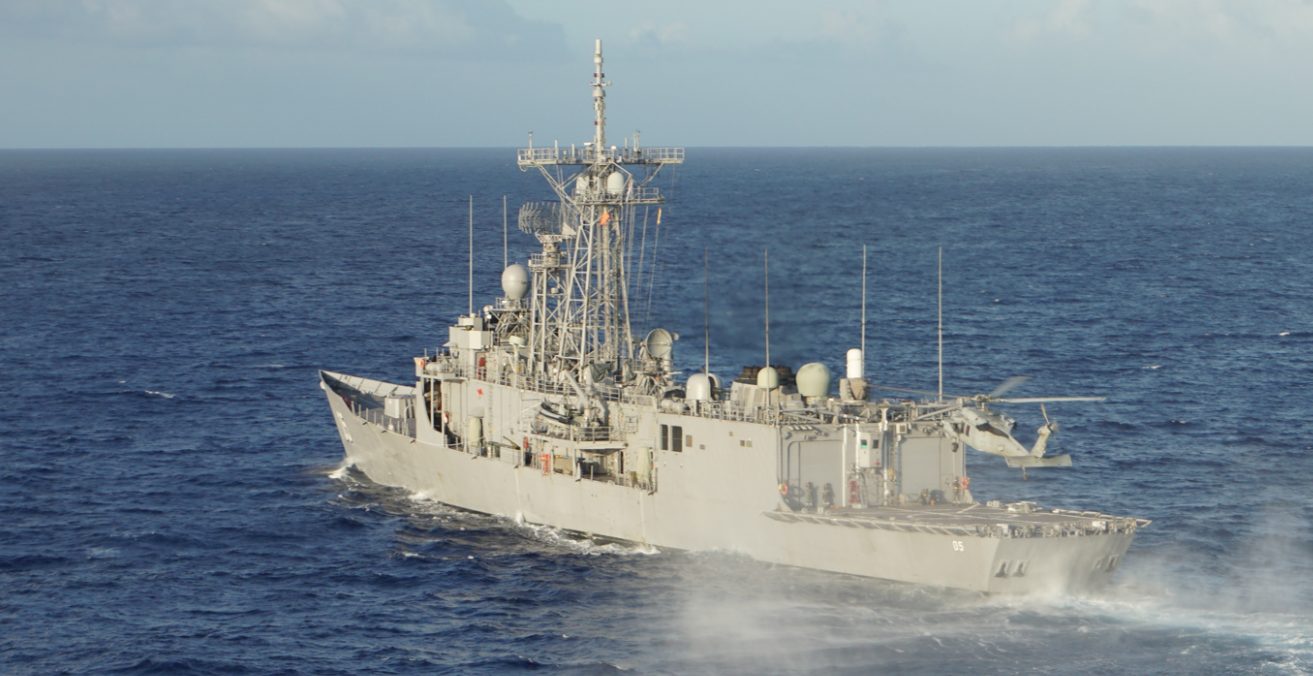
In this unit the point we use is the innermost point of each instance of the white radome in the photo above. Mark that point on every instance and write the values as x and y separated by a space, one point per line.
814 380
515 281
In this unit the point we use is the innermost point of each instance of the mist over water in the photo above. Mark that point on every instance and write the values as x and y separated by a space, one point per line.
174 501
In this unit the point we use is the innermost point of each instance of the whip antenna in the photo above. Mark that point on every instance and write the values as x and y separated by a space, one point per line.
766 264
941 322
706 307
471 312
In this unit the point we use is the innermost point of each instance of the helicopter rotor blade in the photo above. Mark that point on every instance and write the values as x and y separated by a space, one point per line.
932 394
1007 385
1044 400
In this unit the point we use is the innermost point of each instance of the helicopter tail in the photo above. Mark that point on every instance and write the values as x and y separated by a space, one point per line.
1037 457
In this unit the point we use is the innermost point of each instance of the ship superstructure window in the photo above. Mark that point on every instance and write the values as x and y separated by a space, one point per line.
665 437
677 439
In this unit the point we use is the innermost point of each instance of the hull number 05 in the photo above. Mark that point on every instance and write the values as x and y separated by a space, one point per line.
958 546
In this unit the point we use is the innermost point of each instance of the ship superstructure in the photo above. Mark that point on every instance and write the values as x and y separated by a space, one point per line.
546 407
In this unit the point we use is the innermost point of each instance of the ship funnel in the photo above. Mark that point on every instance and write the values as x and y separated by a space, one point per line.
515 281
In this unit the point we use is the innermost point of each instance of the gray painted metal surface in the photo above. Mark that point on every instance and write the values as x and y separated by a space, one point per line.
545 407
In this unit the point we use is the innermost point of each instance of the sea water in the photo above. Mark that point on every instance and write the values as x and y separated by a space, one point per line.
174 500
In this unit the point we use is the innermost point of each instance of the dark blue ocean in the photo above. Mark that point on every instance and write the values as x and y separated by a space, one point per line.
172 498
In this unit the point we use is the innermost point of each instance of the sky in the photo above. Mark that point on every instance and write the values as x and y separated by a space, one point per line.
452 73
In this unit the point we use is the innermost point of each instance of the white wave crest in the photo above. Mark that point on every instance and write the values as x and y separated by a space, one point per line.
341 472
585 546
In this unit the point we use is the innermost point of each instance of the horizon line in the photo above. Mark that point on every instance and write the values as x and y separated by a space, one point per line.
708 147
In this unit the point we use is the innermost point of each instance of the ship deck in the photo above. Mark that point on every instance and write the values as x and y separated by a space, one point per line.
1016 520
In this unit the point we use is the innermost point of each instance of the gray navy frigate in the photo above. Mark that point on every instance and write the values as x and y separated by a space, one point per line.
545 407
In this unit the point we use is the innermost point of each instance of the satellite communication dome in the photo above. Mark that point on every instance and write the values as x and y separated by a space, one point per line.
814 380
699 387
515 281
768 378
615 183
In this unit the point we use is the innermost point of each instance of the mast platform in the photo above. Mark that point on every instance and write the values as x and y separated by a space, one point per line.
540 157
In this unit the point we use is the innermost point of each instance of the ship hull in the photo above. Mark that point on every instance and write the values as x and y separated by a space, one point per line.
685 518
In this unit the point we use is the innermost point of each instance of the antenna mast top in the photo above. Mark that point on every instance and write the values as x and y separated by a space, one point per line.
599 154
599 103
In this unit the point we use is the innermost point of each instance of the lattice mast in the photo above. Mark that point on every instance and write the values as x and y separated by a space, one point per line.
579 307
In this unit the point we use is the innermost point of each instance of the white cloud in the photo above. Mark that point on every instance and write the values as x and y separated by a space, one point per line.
1253 26
454 27
667 33
858 27
1261 25
1070 17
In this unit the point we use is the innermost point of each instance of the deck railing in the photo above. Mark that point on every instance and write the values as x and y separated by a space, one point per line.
717 409
589 155
376 416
